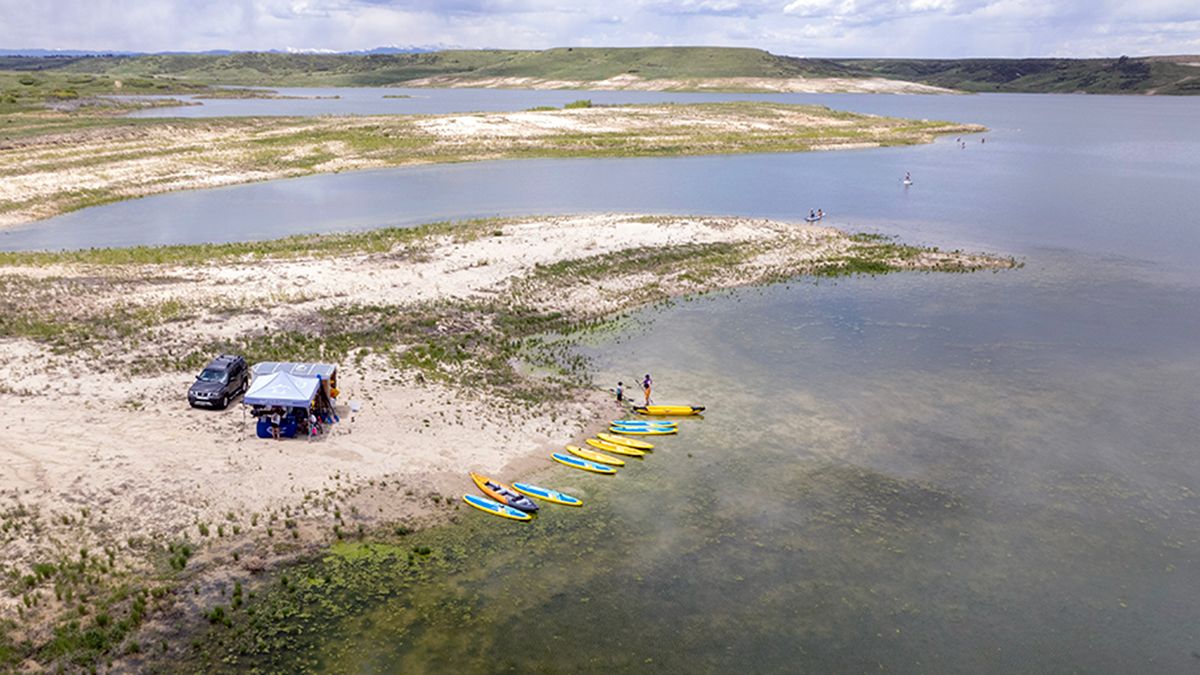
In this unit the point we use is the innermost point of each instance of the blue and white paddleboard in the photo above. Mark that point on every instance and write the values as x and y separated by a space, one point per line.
547 494
643 423
495 508
583 464
643 430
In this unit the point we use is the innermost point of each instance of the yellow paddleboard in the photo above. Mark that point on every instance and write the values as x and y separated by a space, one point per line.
613 447
595 456
627 442
668 409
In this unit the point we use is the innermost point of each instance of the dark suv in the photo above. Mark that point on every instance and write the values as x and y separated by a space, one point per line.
220 382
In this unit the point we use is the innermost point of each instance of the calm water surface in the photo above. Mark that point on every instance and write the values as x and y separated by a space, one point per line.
993 472
373 101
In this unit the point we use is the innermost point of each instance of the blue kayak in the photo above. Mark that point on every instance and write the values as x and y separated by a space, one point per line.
495 508
547 494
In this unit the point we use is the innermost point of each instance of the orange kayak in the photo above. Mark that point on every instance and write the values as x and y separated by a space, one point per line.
503 494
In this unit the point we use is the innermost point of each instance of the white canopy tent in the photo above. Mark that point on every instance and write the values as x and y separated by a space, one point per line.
282 389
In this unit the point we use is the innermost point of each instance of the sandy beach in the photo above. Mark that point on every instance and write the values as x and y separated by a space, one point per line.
100 450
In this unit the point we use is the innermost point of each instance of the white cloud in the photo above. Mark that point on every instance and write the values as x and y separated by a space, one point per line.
931 28
833 8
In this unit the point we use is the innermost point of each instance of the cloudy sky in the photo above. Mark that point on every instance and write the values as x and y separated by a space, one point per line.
929 28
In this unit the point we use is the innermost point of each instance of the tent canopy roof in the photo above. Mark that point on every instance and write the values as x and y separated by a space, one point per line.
324 370
283 389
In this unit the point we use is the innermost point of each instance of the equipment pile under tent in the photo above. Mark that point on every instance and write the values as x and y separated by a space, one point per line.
299 397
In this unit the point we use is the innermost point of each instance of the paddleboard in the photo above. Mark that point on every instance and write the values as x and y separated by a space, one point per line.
584 464
547 494
594 456
613 447
627 442
502 493
813 220
644 423
495 508
645 431
668 409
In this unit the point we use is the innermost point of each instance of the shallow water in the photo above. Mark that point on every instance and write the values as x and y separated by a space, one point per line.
988 472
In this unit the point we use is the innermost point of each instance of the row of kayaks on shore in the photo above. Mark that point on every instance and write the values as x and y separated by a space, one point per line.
603 457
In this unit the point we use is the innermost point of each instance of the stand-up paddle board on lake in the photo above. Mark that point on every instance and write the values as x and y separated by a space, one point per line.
644 423
669 410
547 494
615 448
645 431
627 442
594 456
495 508
582 464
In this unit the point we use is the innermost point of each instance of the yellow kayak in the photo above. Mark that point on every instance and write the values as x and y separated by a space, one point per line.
643 431
613 447
668 409
627 442
595 456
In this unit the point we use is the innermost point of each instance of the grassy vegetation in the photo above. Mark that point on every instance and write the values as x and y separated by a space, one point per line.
396 240
462 341
587 64
156 73
98 606
1094 76
27 90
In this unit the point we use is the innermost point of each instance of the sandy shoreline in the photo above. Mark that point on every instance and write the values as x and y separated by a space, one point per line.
101 452
758 85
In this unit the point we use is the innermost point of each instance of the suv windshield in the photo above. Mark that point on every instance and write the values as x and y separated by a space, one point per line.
213 375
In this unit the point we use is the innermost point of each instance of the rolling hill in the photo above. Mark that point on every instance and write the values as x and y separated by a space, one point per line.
1147 75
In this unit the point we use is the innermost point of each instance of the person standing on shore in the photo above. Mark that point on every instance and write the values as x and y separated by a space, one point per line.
275 431
620 392
647 383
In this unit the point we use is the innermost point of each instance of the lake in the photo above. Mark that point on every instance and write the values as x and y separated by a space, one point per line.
1044 178
988 472
308 101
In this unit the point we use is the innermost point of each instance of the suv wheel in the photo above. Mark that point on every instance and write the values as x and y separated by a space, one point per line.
224 402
